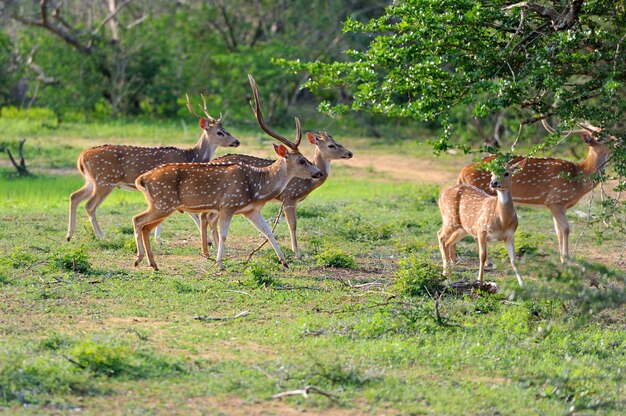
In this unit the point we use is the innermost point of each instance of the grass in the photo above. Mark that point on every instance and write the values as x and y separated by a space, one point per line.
356 317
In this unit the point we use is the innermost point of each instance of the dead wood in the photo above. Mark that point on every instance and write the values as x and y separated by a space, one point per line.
221 318
21 168
464 287
305 393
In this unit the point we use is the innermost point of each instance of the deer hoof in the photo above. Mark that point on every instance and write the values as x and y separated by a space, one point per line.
284 263
154 266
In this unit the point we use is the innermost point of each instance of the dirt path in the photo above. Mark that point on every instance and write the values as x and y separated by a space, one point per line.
408 168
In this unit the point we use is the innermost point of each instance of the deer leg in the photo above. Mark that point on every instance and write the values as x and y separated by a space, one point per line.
224 221
290 216
482 253
140 223
75 199
453 238
561 227
145 237
509 243
442 238
98 196
259 223
157 233
204 223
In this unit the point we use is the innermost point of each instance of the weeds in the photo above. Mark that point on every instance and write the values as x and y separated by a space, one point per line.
418 276
332 257
72 260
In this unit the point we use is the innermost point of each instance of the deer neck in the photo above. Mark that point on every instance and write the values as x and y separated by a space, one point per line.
593 162
271 180
203 151
321 163
504 207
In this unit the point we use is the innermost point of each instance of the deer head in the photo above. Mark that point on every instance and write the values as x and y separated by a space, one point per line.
327 146
213 130
296 163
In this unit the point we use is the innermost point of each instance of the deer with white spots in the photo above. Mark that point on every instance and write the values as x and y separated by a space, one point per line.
109 166
466 209
556 184
326 149
222 188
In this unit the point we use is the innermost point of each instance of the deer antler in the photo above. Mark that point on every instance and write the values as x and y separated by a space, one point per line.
552 130
208 116
256 107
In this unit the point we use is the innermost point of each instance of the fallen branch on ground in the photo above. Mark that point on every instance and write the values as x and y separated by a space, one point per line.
221 318
305 393
464 286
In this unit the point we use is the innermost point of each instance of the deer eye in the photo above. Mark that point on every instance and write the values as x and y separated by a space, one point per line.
506 174
219 133
301 161
331 146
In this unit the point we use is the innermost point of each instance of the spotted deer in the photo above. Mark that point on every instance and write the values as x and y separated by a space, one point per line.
224 188
326 150
109 166
556 184
466 209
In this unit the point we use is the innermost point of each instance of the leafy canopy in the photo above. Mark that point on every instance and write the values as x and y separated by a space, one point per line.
426 57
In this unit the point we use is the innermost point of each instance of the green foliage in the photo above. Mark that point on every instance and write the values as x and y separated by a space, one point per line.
121 361
333 257
262 273
72 259
355 227
30 379
19 258
418 276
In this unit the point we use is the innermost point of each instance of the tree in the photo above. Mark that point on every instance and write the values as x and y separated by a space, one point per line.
563 59
426 57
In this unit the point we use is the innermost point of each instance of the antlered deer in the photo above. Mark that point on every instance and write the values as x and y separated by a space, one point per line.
556 184
223 188
109 166
466 209
326 149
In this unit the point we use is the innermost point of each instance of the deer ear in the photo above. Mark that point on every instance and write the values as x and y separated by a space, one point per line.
516 167
204 123
311 137
280 150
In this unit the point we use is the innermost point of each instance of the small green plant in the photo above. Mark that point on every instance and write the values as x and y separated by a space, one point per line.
19 258
261 273
418 276
333 257
72 260
54 342
121 361
32 379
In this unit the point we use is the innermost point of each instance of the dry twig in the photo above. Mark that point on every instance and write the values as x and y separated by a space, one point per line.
305 393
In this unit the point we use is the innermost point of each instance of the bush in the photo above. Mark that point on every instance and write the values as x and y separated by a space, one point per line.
72 260
121 361
419 276
19 258
332 257
261 272
31 379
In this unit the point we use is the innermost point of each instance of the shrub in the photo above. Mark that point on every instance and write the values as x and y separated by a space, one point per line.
31 379
419 276
332 257
72 260
19 258
121 361
261 272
